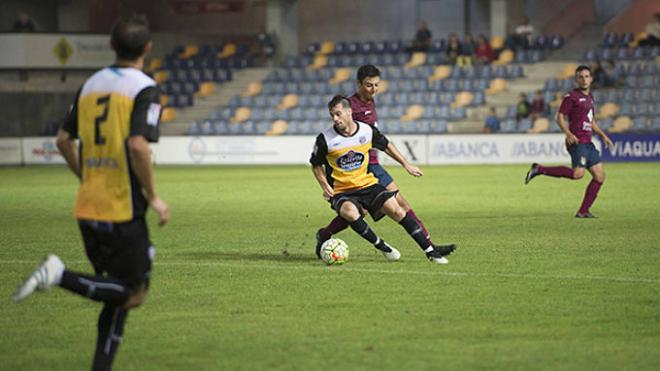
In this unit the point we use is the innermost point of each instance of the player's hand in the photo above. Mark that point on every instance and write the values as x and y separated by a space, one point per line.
328 192
414 171
571 139
161 208
608 142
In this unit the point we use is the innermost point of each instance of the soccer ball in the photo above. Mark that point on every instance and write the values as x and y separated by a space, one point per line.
334 251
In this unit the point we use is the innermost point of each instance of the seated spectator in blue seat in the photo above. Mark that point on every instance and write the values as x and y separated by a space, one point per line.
492 122
538 108
453 49
522 107
652 31
468 47
422 41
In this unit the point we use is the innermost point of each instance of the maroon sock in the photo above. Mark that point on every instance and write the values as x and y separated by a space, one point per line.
556 171
336 225
414 216
590 196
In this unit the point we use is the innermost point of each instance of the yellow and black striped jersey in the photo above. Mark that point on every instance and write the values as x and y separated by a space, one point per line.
346 158
112 105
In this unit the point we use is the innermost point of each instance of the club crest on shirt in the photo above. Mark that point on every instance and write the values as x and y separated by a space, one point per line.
363 140
350 161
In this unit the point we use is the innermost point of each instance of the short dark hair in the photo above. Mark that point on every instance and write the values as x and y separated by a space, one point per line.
367 70
581 68
130 35
339 99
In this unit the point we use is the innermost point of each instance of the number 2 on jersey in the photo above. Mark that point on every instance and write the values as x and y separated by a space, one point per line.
105 102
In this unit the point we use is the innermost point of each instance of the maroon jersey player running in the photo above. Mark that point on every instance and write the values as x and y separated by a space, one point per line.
364 110
578 111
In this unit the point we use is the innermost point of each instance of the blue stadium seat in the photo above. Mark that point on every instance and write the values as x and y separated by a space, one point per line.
508 126
431 97
416 97
515 72
524 125
402 99
394 47
442 112
194 129
438 126
457 113
551 85
385 99
479 98
438 46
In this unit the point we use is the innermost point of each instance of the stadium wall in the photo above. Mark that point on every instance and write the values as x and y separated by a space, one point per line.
295 150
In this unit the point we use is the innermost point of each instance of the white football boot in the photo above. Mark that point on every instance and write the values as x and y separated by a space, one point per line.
47 275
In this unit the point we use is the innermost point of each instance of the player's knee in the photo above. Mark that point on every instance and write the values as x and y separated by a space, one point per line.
349 211
136 299
578 173
600 178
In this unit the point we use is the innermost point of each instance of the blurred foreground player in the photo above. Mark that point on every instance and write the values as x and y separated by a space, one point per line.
115 114
576 119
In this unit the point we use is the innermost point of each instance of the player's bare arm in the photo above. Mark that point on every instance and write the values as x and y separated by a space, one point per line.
323 182
562 121
395 154
69 150
599 131
141 161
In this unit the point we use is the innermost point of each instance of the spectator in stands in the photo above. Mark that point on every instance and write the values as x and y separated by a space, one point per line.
603 76
652 32
538 108
24 23
483 53
492 122
264 47
422 41
522 108
453 49
524 34
467 50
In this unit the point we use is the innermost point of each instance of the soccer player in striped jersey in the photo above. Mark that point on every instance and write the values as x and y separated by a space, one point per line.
576 118
364 110
115 114
340 165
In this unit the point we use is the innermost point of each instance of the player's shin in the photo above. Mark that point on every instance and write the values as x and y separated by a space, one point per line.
361 227
110 331
416 231
590 195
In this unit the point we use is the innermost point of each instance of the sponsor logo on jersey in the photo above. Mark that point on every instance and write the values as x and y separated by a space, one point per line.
350 161
153 113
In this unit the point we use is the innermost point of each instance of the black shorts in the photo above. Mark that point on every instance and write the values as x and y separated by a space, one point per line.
120 250
371 198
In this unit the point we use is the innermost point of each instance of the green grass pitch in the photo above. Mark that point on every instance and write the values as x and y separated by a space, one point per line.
236 285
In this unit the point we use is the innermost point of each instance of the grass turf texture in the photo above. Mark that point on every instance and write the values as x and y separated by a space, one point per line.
236 285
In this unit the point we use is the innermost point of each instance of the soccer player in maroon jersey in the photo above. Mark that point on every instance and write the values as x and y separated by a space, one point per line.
364 110
576 119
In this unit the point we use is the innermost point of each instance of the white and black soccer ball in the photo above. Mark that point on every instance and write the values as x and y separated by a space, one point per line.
334 251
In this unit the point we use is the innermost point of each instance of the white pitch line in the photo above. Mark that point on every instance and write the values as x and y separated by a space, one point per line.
288 266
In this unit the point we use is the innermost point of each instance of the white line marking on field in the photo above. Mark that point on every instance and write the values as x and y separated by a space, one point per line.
289 266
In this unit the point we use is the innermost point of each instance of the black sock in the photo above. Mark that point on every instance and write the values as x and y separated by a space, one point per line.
362 228
110 332
99 288
416 232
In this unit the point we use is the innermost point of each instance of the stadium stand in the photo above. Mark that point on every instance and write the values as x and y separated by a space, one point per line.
419 92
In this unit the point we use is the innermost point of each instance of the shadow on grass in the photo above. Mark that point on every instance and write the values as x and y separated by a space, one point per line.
279 257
